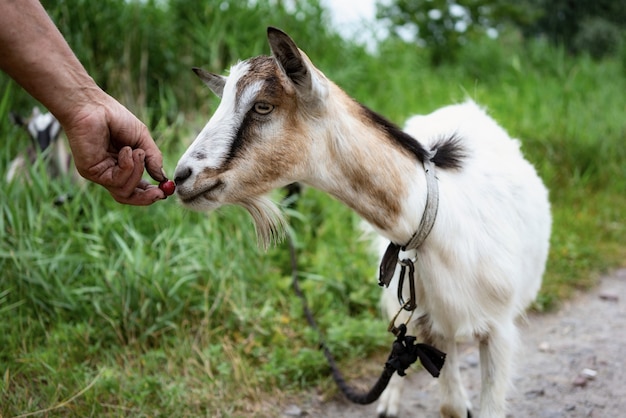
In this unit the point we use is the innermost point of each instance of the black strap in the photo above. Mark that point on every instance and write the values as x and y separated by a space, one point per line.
388 264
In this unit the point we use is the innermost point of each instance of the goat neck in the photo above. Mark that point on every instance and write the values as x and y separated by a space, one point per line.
360 162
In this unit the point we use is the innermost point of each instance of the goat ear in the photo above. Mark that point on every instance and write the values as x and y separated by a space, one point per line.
215 82
290 58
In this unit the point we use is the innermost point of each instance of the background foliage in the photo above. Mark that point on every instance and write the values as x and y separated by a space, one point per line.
158 311
595 27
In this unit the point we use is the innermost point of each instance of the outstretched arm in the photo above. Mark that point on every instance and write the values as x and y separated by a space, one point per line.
110 145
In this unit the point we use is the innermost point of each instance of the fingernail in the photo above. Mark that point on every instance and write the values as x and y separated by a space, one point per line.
164 175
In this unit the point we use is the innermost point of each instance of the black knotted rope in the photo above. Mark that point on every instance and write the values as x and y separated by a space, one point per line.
404 350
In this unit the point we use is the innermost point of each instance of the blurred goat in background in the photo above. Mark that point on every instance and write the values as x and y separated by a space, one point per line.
45 132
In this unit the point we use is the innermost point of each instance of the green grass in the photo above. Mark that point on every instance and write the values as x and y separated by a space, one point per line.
158 300
110 310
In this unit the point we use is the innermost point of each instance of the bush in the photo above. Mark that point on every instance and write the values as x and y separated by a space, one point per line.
598 37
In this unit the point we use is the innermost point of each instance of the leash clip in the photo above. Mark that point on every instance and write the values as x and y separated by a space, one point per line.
411 304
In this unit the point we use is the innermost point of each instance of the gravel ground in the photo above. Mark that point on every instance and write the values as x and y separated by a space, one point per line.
571 365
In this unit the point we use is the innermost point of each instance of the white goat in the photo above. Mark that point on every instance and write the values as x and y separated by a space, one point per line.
44 131
281 121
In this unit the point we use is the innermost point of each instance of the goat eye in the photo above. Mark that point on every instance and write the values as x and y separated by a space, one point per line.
263 108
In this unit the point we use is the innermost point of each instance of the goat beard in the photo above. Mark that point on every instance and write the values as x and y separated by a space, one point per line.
269 221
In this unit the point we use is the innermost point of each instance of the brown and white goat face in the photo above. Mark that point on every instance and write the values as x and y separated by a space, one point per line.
258 138
244 149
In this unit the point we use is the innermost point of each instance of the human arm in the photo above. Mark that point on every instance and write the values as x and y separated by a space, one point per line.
110 145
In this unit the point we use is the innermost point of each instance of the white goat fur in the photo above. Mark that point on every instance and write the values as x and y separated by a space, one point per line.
281 121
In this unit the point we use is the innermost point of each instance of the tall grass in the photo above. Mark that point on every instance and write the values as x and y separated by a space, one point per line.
163 312
142 51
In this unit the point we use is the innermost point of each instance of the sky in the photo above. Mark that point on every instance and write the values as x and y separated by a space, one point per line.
353 18
351 11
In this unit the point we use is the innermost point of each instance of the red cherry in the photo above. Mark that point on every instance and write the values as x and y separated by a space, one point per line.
168 187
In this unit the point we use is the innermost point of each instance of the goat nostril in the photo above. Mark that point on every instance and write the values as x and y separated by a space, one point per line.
181 175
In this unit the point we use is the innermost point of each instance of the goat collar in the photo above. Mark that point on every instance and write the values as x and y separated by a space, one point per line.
432 205
390 259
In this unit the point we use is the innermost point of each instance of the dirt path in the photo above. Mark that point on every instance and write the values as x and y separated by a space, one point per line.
572 365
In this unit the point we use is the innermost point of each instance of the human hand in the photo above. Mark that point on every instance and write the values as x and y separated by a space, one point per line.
112 147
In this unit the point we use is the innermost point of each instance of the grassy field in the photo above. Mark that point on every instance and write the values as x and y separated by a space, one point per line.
110 310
